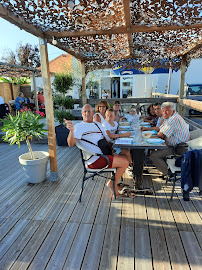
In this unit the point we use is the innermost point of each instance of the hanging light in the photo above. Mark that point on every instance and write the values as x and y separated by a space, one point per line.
54 41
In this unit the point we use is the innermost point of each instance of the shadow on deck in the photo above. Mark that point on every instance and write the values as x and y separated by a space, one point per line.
45 227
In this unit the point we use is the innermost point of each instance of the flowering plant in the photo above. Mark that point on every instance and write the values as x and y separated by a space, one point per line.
42 114
23 127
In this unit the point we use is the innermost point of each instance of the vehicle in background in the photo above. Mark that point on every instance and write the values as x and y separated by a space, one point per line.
194 91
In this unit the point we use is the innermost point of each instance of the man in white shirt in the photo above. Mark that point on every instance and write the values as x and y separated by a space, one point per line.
88 130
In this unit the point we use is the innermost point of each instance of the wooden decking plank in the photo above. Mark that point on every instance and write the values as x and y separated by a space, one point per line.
192 249
160 255
80 208
78 247
143 256
126 248
29 252
166 215
190 211
140 214
16 248
176 250
104 207
110 248
115 212
58 257
177 211
90 213
9 238
94 248
44 253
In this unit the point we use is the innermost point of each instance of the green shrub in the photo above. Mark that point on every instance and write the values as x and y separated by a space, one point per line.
60 115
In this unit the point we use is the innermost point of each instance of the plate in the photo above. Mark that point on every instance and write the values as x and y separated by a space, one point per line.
144 124
155 141
124 123
149 131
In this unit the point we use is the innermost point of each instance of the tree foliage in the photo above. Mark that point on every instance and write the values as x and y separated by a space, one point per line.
63 82
24 55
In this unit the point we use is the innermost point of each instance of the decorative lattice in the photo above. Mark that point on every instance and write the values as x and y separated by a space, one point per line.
163 48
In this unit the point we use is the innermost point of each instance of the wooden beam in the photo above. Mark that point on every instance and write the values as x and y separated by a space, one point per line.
35 92
83 75
193 104
182 81
30 28
194 47
121 30
126 5
49 107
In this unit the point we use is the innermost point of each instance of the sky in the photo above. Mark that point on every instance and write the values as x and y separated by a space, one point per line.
11 36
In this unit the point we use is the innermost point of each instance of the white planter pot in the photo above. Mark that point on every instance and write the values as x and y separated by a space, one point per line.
35 170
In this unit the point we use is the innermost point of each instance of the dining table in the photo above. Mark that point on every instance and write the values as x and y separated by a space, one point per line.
137 145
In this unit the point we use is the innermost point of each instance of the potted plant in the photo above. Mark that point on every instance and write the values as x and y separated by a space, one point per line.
24 127
62 104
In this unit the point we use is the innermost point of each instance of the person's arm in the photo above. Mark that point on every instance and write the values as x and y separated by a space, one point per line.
71 140
161 135
150 128
97 118
115 136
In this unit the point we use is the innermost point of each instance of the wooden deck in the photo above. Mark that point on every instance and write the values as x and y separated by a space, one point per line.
45 227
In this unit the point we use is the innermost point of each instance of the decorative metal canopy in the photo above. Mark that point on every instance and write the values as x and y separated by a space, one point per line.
110 33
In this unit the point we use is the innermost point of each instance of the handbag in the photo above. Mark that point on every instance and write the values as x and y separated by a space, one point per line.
104 145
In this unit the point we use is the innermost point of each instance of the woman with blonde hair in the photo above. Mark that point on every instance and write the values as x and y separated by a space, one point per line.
100 111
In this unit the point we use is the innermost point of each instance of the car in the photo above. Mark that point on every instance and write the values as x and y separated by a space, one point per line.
194 91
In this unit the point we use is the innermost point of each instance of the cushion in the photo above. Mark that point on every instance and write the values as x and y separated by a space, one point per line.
196 143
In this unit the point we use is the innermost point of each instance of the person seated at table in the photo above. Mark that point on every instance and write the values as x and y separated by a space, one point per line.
111 128
89 131
174 131
100 110
160 119
117 111
20 101
31 102
131 116
151 117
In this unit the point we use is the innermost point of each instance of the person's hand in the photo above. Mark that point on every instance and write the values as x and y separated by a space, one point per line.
69 125
143 128
128 134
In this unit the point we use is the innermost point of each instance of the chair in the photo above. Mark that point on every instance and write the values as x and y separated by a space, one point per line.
174 172
194 144
85 155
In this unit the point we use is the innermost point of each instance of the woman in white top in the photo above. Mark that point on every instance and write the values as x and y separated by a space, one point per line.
100 111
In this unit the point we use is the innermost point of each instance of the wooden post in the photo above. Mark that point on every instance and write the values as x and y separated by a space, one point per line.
182 80
49 107
35 93
83 75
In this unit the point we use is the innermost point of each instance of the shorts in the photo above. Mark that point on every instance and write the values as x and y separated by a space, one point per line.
101 162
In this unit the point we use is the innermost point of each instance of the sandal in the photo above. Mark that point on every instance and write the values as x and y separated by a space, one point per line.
127 193
121 185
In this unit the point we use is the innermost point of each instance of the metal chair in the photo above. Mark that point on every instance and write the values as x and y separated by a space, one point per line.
85 155
175 171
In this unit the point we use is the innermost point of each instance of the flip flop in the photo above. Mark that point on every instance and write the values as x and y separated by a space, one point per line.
127 193
122 185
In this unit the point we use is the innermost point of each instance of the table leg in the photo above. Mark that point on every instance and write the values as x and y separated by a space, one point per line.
138 156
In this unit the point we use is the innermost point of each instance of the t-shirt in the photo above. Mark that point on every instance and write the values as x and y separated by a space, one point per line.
40 98
175 129
89 132
101 117
130 117
108 126
17 103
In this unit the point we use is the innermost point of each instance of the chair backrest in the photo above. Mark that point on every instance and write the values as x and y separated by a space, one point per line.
195 133
195 143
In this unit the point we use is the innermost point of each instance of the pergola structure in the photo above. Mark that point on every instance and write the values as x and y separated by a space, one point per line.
110 33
